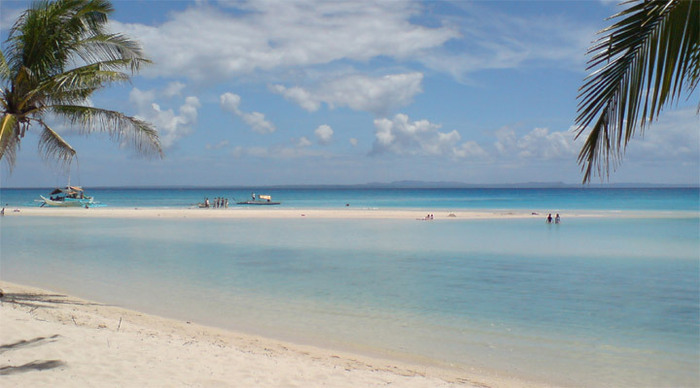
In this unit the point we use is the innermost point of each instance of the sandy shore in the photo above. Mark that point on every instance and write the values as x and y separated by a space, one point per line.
343 213
54 340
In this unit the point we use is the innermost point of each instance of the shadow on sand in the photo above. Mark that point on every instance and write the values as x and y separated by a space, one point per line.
31 366
33 301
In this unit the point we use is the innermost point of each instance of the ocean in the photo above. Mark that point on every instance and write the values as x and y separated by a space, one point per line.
424 198
609 301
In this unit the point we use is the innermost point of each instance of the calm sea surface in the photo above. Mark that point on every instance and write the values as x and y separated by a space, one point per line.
589 302
505 198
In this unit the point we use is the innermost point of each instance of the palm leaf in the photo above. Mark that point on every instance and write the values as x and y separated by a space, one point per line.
52 145
643 61
139 134
4 68
9 129
58 53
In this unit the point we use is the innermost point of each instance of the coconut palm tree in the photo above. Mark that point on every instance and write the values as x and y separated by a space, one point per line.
644 62
57 54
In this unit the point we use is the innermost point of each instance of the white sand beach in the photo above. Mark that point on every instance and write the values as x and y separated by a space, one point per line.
52 340
340 213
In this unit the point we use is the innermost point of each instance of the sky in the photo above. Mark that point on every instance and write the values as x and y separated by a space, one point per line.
312 92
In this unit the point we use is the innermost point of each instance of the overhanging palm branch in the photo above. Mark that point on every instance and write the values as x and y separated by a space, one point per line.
9 127
644 62
124 129
52 144
57 55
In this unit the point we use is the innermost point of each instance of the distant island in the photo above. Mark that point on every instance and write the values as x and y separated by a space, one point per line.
410 184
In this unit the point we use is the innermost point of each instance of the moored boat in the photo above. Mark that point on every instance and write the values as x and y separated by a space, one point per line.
69 196
259 200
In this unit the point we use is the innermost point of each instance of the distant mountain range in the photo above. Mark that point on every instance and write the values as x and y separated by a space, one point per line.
412 184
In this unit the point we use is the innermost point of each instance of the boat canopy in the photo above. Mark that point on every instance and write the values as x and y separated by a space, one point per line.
68 190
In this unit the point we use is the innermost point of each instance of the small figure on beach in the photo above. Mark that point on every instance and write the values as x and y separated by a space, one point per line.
557 219
2 212
549 218
206 202
253 196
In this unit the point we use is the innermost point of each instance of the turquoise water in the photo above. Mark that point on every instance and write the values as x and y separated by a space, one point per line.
590 302
485 198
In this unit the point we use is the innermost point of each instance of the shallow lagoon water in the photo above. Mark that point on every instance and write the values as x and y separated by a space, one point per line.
589 300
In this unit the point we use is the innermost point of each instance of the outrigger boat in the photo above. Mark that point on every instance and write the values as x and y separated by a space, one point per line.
259 200
69 196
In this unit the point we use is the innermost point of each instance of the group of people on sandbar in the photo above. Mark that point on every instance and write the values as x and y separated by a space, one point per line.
218 203
556 219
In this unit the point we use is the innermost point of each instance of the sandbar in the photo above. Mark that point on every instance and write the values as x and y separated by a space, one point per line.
331 213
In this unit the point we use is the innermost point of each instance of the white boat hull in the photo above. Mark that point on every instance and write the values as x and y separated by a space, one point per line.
67 202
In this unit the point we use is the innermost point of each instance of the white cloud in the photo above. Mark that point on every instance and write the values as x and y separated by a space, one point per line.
324 134
674 136
174 89
353 142
492 39
230 102
171 126
303 142
208 42
302 97
539 143
403 137
378 95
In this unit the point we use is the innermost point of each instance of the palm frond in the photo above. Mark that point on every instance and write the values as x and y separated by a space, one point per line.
116 49
644 60
4 69
78 84
139 134
9 131
52 146
58 53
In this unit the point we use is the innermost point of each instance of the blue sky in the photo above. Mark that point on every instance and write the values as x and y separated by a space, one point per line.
318 92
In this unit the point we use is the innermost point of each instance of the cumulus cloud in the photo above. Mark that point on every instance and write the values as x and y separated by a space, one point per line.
230 102
171 126
674 136
174 89
539 143
303 142
404 137
378 95
224 39
324 134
